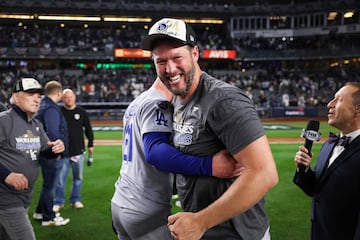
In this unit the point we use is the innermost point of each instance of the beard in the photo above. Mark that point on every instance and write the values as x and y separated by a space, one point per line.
189 79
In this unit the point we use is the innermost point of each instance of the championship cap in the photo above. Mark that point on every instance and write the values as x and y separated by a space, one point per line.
30 85
169 28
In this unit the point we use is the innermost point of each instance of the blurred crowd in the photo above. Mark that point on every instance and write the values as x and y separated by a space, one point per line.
94 38
267 87
129 36
47 36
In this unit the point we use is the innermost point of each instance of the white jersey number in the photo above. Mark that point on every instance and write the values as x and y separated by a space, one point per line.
127 143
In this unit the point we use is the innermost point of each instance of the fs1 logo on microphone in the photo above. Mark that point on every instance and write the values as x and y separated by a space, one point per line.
310 135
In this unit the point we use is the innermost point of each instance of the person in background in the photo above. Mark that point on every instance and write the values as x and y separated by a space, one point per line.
55 126
211 115
78 124
22 140
334 182
141 201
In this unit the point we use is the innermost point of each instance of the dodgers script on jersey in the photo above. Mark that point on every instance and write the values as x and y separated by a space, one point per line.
141 186
217 116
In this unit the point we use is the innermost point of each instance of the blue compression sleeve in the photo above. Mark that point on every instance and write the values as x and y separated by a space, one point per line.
159 153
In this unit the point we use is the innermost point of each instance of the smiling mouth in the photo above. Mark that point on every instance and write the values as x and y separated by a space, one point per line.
175 79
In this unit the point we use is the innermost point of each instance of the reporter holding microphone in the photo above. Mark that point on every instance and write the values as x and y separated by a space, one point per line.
334 182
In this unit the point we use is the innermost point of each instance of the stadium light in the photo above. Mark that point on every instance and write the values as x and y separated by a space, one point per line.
126 19
207 21
332 16
103 18
16 16
349 14
69 18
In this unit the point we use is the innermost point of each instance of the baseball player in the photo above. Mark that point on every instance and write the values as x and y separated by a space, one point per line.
141 202
211 115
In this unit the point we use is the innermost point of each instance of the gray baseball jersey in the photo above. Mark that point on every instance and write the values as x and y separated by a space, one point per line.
142 188
217 116
20 144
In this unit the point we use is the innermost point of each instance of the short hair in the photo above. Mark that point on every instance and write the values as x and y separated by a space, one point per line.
356 95
52 87
68 90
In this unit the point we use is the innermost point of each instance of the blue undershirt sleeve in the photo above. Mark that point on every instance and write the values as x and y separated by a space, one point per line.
161 154
4 172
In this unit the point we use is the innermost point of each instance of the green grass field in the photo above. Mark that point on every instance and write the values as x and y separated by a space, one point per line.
287 206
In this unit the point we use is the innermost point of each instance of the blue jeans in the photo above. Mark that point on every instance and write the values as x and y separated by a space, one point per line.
77 172
50 170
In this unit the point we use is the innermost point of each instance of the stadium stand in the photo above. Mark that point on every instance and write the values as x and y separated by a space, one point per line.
288 55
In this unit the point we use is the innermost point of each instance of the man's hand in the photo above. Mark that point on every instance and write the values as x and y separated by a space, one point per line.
303 157
186 226
57 146
225 166
91 150
17 180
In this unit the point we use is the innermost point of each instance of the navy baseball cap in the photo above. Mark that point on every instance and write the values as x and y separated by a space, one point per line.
30 85
169 28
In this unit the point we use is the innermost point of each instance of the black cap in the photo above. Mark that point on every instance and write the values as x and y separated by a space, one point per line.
30 85
169 28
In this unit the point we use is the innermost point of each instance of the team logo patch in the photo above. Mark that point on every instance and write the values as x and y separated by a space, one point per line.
161 119
77 116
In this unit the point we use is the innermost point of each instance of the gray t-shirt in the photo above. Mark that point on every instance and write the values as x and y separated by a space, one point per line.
217 116
20 144
141 186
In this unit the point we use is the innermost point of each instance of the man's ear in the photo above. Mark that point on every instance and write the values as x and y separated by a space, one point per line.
357 108
357 111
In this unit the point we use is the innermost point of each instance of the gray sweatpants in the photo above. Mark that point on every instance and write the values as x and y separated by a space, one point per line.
126 224
15 224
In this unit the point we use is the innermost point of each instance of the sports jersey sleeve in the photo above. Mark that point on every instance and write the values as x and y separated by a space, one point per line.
163 156
156 129
156 116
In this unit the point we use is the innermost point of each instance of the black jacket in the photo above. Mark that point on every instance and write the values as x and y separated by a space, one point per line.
336 193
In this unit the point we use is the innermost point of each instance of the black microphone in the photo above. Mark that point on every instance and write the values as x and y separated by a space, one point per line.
310 134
